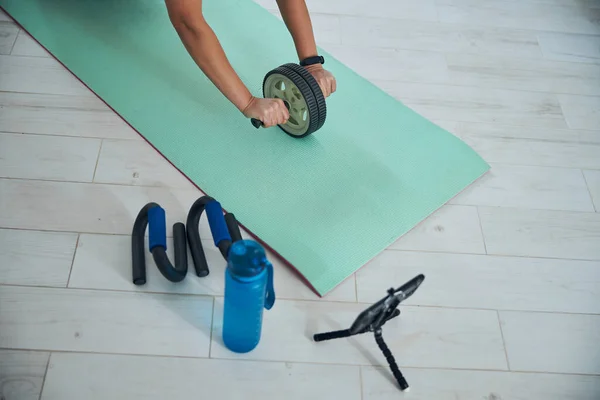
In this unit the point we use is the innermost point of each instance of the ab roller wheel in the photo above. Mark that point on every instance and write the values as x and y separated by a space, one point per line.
301 95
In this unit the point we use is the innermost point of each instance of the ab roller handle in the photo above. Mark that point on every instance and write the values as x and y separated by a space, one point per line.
257 123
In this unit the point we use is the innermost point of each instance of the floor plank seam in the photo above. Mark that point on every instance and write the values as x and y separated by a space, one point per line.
589 189
88 94
499 255
136 139
212 327
537 166
232 357
418 81
463 25
190 188
431 251
526 139
108 291
481 230
53 107
45 376
549 93
170 236
382 365
90 182
513 371
12 47
562 112
73 259
315 301
97 161
548 210
539 47
503 340
590 211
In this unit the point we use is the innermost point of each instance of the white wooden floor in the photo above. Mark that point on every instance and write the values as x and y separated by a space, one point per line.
510 308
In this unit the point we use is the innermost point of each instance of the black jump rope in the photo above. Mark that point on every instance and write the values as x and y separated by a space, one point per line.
372 320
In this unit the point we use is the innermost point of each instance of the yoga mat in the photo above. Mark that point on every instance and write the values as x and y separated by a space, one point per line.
327 204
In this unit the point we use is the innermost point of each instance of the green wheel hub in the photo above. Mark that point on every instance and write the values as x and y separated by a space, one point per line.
278 86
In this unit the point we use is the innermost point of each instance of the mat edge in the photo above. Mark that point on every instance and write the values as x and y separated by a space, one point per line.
445 203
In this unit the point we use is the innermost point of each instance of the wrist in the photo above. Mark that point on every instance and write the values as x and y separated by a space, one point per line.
247 105
314 67
303 55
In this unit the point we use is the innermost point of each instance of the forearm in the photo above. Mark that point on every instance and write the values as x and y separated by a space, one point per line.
297 20
203 46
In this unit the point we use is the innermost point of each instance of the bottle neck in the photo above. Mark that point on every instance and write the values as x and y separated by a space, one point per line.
246 278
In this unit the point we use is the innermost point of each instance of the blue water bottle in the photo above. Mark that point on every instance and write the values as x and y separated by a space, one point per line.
248 290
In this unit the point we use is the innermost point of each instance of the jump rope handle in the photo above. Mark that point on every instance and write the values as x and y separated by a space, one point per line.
257 123
319 337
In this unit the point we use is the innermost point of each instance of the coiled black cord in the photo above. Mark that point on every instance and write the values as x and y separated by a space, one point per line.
390 359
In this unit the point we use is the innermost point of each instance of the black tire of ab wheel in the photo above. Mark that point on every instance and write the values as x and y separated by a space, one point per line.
307 93
316 89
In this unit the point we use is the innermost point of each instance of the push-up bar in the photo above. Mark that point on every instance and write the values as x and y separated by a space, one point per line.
224 228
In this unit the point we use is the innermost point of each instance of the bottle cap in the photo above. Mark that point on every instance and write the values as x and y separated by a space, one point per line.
247 258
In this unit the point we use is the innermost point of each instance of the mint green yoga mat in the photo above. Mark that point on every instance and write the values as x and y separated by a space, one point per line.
327 204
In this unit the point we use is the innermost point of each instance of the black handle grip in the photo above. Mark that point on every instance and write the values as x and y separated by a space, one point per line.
391 361
257 123
319 337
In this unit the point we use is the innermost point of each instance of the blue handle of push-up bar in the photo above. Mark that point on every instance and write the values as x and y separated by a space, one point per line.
216 221
157 228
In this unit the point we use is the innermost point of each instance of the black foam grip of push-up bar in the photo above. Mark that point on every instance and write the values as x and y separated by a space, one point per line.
233 227
193 235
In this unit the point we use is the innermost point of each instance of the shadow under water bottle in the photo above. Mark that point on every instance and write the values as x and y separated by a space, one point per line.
248 291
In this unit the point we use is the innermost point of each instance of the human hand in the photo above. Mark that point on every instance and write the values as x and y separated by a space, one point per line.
270 112
324 78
